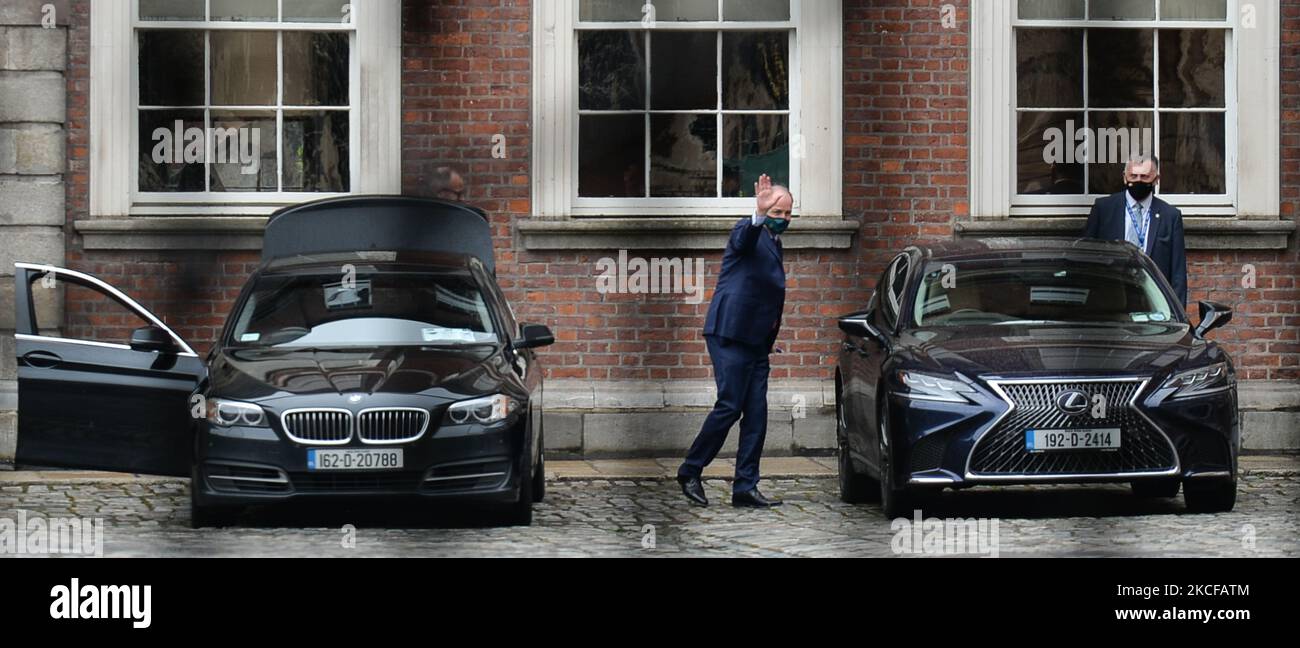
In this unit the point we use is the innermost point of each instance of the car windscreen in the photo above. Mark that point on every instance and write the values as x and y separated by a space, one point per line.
1038 291
363 307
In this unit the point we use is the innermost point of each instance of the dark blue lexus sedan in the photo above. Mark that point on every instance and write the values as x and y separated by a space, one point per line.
1026 362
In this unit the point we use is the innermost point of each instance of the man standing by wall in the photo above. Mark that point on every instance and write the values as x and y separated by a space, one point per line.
740 331
1137 216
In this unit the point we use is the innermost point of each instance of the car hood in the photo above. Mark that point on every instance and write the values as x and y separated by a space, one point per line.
269 373
1064 349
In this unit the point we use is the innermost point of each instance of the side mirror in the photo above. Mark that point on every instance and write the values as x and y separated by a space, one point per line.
532 336
859 325
152 338
1213 316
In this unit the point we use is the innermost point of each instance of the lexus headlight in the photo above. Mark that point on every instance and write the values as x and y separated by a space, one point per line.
489 409
230 413
927 387
1198 382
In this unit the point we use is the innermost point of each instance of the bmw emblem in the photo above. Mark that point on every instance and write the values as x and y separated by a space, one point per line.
1072 402
354 399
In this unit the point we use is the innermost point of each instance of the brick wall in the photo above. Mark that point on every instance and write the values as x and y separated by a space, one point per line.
466 77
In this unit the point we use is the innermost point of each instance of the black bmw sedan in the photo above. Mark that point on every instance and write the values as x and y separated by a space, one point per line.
1025 362
371 354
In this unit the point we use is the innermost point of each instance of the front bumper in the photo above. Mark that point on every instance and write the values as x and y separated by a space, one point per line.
481 465
967 444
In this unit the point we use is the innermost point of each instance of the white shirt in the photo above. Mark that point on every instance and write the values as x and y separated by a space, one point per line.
1131 233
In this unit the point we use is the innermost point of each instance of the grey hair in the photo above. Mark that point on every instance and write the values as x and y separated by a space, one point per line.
1142 158
777 187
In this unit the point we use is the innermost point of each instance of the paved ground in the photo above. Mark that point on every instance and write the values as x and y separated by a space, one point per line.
632 508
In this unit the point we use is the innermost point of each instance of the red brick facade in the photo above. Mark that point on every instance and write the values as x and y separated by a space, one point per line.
467 76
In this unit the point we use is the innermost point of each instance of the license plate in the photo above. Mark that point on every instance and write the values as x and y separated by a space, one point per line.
1056 440
389 459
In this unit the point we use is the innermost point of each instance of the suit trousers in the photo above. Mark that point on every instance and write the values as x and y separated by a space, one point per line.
740 371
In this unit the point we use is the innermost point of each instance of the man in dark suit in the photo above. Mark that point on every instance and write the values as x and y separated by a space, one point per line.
1136 215
740 332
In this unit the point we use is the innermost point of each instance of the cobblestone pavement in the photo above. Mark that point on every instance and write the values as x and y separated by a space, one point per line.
609 517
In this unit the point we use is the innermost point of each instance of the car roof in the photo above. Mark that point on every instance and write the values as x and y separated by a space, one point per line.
1011 248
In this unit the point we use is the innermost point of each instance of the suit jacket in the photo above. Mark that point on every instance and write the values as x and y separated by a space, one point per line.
750 295
1107 221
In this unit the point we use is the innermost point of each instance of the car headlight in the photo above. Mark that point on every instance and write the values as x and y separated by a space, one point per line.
488 409
1201 381
934 388
228 413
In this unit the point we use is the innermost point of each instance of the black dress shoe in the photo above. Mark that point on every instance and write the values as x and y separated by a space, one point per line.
753 499
693 490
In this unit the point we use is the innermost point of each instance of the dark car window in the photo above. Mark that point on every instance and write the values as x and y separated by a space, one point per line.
369 309
1019 291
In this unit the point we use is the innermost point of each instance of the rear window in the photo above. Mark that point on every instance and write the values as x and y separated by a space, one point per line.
364 308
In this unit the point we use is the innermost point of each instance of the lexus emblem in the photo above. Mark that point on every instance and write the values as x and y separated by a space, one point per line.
1072 402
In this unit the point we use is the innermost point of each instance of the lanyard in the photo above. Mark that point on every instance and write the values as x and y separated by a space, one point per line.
1141 226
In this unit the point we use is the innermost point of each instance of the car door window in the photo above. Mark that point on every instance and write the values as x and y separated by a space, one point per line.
93 314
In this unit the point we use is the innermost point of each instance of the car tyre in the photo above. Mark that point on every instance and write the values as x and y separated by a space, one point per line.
1210 496
521 512
1156 487
855 487
895 502
539 471
204 516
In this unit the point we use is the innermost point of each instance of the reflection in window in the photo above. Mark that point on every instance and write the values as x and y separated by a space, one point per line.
263 108
696 113
1088 98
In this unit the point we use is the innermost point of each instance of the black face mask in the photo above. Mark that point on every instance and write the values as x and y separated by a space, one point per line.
1140 190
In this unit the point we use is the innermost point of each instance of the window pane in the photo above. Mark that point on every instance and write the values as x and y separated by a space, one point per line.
1117 136
754 145
243 68
684 10
610 10
611 156
1051 9
774 10
171 68
755 71
1192 153
262 10
171 160
684 156
1122 9
683 70
316 151
1194 10
315 69
244 153
611 70
1191 68
1120 68
315 10
171 9
1049 68
1049 159
93 315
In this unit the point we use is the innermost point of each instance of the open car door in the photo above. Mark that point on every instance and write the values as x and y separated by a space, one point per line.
112 397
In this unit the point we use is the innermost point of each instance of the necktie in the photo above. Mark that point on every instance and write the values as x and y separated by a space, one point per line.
1140 225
